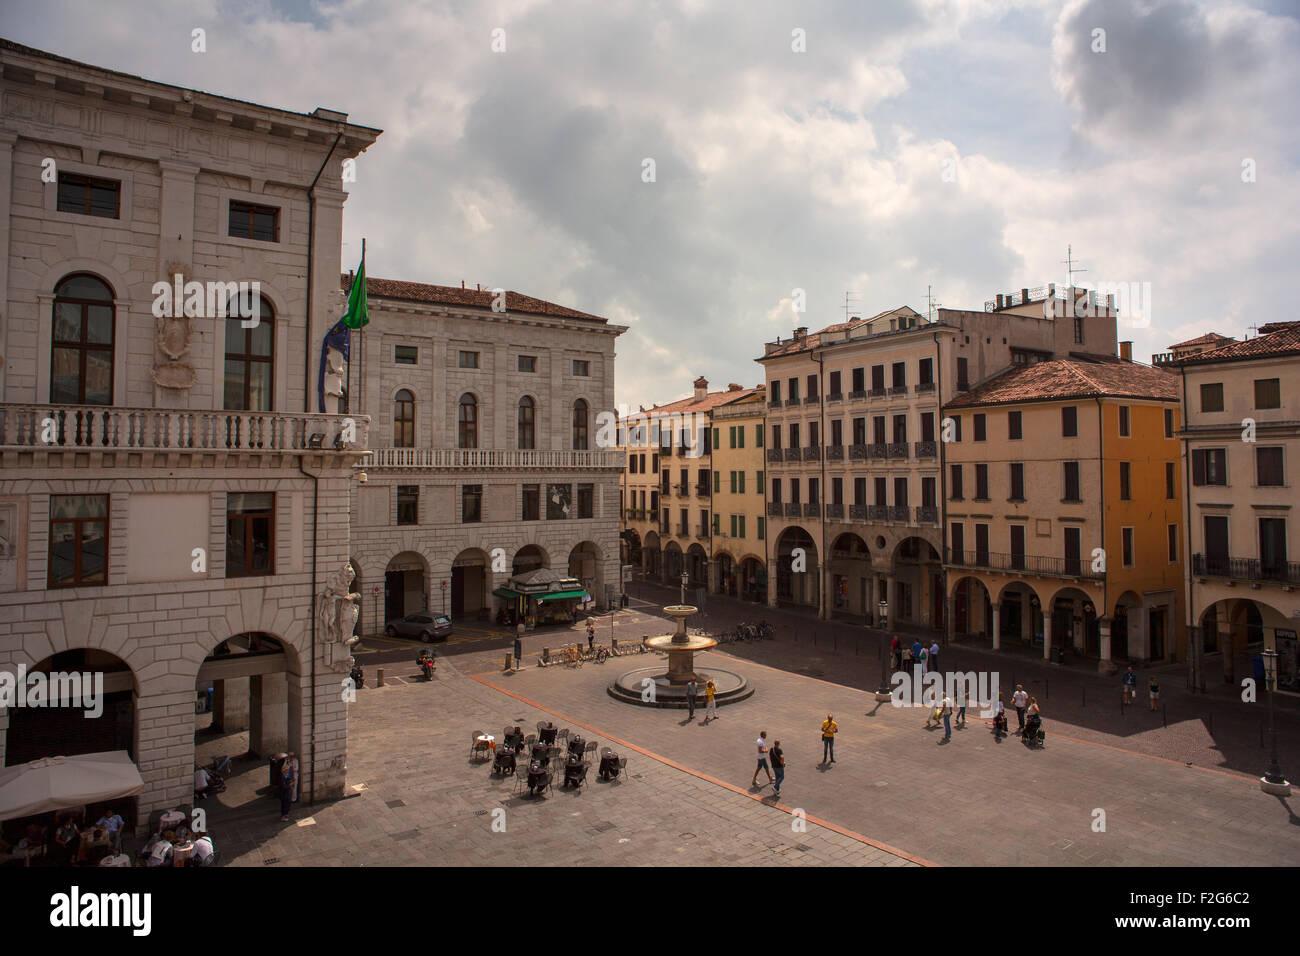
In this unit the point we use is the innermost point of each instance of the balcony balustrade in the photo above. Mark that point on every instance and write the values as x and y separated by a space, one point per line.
485 458
792 454
927 514
793 509
774 509
812 453
834 452
835 511
927 449
898 449
878 450
857 453
1245 569
774 454
899 512
1028 564
857 512
812 511
877 512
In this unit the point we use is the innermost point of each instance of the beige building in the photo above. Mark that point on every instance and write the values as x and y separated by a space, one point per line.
172 503
486 453
1063 511
854 456
1241 447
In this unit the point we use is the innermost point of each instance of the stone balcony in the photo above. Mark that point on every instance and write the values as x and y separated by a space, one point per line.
50 430
494 458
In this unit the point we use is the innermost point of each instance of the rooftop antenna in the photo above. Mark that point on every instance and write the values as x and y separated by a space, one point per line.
848 296
930 304
1071 268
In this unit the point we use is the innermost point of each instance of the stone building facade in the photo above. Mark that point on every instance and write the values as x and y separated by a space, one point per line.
487 452
172 503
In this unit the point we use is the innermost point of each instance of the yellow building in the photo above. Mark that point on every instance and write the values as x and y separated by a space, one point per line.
739 486
1064 510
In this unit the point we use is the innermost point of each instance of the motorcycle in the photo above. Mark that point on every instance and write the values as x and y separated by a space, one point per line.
427 665
358 676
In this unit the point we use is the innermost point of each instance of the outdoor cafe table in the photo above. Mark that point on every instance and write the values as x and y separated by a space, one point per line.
505 760
181 853
542 752
576 744
170 820
572 770
608 764
546 733
536 776
488 739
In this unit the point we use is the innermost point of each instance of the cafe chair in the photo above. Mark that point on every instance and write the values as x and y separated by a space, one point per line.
622 767
529 741
589 749
562 739
506 731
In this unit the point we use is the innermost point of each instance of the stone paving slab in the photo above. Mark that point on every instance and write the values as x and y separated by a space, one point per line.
421 801
972 801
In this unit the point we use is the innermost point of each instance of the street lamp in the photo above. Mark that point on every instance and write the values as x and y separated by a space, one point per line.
884 613
684 580
1272 782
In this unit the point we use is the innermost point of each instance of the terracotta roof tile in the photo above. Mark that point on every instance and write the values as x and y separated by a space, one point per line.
1278 338
814 339
1069 378
451 295
1205 339
708 402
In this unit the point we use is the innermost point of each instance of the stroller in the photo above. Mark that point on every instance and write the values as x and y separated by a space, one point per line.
1000 724
1033 734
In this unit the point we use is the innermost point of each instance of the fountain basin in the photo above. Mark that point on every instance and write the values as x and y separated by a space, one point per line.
630 688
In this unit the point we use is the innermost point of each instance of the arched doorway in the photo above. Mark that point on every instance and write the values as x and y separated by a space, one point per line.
850 569
1020 614
255 697
68 728
753 579
672 564
585 565
631 548
971 609
918 583
697 566
528 558
469 579
1128 615
405 585
652 559
726 574
796 574
1074 621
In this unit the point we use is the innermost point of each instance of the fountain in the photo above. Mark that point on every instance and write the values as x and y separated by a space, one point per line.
651 687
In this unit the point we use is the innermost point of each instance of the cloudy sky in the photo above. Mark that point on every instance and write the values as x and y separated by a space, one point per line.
909 144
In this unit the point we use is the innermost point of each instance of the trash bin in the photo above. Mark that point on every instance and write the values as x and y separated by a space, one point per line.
277 762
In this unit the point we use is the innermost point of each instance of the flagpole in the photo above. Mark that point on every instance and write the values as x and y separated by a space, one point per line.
361 342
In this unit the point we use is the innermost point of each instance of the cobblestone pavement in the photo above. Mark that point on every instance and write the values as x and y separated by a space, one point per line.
416 799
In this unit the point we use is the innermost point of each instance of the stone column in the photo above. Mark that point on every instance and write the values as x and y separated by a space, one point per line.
268 727
997 628
1106 665
1047 637
891 595
771 586
230 705
825 599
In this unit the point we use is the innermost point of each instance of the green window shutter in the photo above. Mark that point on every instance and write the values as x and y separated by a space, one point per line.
740 435
762 488
761 528
758 436
717 482
717 523
742 526
741 489
733 482
733 526
716 442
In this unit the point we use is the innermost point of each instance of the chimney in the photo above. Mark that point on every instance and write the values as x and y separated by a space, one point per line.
733 387
462 283
701 388
801 333
1126 351
1024 296
478 287
855 319
999 300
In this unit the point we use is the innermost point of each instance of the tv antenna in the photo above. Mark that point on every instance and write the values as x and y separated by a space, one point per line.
850 298
930 303
1070 267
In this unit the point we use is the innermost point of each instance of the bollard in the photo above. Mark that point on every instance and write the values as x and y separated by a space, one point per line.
379 679
546 655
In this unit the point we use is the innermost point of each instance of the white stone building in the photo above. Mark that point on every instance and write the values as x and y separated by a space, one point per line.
171 500
486 460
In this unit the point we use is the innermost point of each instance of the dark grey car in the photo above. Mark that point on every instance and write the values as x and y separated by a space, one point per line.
425 625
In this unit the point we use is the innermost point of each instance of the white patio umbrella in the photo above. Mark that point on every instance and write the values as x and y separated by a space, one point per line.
54 783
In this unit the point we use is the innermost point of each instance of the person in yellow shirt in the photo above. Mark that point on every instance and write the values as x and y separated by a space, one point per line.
711 705
829 728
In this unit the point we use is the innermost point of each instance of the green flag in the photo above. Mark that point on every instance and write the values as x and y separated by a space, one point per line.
357 315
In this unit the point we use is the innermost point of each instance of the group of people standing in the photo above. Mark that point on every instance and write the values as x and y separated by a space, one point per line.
906 656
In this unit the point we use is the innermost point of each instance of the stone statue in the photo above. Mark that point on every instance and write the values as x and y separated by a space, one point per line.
333 380
337 608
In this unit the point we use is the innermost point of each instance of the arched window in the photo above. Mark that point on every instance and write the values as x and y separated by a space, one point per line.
468 422
404 420
250 354
81 360
527 423
580 425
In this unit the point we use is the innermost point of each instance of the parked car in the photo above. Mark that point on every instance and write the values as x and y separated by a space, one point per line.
422 624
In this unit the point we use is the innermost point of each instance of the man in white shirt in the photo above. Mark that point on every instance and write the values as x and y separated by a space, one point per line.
945 709
1021 700
201 782
762 758
161 854
933 663
203 849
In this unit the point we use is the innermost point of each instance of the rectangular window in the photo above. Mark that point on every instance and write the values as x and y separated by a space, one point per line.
1268 393
981 544
793 389
1017 481
740 436
1216 541
1070 422
776 490
956 428
878 429
1014 425
955 482
877 378
898 373
1078 330
78 540
835 383
900 492
250 534
1071 481
248 221
758 436
958 534
734 528
731 436
558 501
837 491
742 526
468 359
1126 539
740 482
1212 397
927 426
406 354
963 382
1018 546
581 368
814 491
812 435
925 371
1125 481
87 196
532 510
859 431
528 363
980 433
1209 466
759 486
928 497
837 433
981 482
586 501
471 504
1173 543
1171 477
733 481
1272 548
1169 423
859 380
775 392
1073 550
762 528
812 386
1124 421
794 434
882 488
1268 467
860 491
900 429
408 504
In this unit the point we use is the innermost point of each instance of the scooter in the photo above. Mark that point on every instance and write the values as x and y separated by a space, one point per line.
427 665
358 676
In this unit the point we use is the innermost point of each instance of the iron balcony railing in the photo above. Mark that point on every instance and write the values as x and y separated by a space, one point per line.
877 393
1028 563
899 512
877 512
1245 569
878 449
857 512
924 387
857 453
774 403
835 511
812 511
858 393
774 454
792 454
812 453
117 428
834 452
898 449
774 509
835 397
483 458
810 400
926 449
791 401
927 514
898 390
701 490
793 509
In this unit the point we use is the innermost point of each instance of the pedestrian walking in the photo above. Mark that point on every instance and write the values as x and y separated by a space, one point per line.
710 705
1153 690
591 634
1130 684
690 697
933 662
961 703
945 709
905 659
762 759
916 650
287 782
829 728
519 642
924 658
778 766
1020 700
895 654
